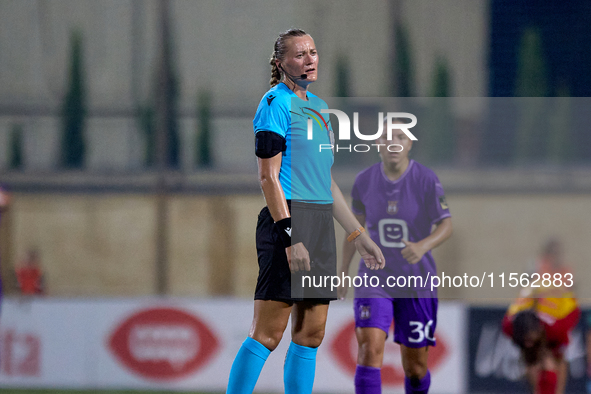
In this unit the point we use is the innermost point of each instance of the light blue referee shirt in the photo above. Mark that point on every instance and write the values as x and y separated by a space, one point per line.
305 167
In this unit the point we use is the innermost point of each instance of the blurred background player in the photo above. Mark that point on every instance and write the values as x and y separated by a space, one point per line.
29 275
309 182
551 260
539 323
403 205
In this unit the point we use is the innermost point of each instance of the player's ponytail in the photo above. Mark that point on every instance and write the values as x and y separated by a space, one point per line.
279 51
275 74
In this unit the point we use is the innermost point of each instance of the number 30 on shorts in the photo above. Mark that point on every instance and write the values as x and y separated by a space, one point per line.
421 331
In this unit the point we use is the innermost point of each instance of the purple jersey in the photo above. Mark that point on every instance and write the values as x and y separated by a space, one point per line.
405 209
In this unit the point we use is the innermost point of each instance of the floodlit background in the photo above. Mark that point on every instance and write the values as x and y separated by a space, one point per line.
126 145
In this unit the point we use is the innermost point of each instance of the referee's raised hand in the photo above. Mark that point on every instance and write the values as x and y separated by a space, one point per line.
298 257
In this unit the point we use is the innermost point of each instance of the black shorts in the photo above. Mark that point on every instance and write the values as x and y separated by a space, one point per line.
313 225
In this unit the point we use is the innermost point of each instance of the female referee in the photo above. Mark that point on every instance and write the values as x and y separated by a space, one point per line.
288 183
403 205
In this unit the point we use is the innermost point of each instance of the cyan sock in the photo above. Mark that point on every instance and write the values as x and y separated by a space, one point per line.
368 380
247 367
299 369
417 386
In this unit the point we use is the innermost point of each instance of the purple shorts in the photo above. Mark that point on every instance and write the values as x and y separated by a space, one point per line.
414 319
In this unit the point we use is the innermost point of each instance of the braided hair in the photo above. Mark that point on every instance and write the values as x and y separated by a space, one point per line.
279 51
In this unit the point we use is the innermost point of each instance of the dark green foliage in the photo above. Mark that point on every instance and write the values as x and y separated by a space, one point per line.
531 78
342 76
95 391
531 81
166 114
403 75
438 142
204 104
73 147
343 89
559 146
441 79
15 161
172 125
147 126
167 97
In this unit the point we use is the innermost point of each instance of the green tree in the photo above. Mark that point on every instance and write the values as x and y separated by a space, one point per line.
15 161
531 82
438 144
531 68
166 95
204 104
559 136
441 80
74 109
342 76
403 75
147 126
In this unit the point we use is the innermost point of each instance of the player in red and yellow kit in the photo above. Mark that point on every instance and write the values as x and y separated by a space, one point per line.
539 323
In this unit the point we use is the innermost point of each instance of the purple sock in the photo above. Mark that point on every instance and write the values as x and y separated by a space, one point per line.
368 380
417 386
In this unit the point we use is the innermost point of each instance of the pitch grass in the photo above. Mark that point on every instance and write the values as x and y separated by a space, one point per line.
63 391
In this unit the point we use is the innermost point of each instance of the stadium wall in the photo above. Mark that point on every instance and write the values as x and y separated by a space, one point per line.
104 244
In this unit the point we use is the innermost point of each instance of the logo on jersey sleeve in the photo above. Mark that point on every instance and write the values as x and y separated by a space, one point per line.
392 232
392 207
270 99
443 202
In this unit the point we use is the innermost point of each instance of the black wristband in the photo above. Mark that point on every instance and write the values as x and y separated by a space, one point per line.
284 226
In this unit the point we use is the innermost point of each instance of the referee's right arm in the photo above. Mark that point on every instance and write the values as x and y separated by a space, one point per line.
272 190
297 255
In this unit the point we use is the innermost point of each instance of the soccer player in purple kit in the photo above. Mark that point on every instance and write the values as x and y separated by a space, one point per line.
403 206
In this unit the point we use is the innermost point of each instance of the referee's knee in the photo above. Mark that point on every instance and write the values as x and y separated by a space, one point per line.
309 339
270 341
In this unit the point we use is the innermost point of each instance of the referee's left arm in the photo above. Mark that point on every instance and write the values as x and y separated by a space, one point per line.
369 251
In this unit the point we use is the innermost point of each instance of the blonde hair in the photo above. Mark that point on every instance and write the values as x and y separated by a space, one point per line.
279 51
